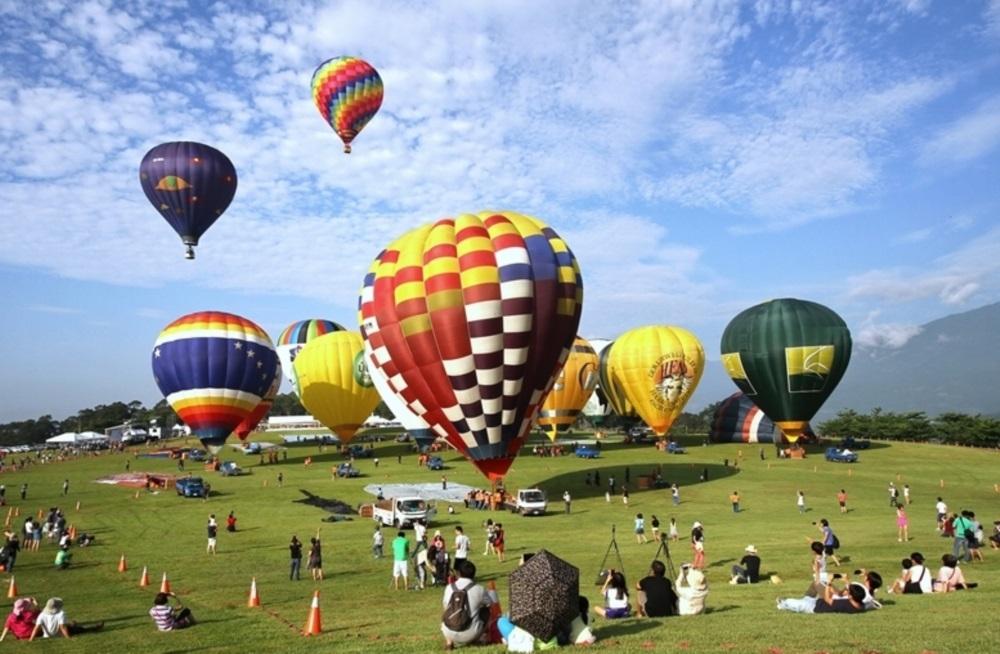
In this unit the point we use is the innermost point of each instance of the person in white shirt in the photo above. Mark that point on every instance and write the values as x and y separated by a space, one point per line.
479 603
462 546
51 622
942 513
692 589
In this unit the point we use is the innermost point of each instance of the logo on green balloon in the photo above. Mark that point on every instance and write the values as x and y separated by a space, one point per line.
361 374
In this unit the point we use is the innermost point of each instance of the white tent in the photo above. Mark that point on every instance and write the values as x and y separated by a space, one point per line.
91 436
64 438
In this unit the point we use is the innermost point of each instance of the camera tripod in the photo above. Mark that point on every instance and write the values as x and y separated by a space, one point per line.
603 572
665 549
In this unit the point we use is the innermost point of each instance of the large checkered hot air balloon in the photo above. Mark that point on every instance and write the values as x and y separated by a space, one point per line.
190 184
214 369
470 319
348 93
787 356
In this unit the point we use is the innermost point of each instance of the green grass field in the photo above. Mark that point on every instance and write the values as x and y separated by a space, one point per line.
360 614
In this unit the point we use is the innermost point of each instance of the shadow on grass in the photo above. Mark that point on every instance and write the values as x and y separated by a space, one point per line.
607 629
670 472
721 609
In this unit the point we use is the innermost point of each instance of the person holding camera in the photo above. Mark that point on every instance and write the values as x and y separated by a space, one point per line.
692 590
615 594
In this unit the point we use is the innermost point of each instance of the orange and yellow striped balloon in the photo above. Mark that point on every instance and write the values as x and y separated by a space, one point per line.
572 389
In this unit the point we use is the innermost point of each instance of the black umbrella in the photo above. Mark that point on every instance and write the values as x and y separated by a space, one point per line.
544 595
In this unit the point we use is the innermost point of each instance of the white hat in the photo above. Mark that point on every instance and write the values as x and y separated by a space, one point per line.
696 525
751 549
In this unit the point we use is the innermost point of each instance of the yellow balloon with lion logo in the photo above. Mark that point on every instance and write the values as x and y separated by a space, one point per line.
334 384
573 387
658 368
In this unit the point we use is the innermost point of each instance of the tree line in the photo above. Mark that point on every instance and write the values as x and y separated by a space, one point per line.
949 428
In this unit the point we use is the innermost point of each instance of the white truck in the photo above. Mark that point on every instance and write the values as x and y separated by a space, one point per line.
402 512
530 501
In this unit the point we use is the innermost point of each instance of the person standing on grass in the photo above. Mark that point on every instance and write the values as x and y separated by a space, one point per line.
500 542
654 524
462 546
640 529
315 564
281 479
673 534
842 500
893 495
567 499
698 545
902 525
377 541
624 494
830 541
962 529
735 500
295 558
400 556
800 501
65 486
231 522
24 491
942 513
906 494
213 531
675 494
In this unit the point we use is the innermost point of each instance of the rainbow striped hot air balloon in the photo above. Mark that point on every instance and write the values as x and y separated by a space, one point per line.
471 319
294 337
213 368
348 93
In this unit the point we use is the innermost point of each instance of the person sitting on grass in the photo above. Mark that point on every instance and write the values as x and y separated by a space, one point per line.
748 571
465 620
21 620
850 599
915 578
692 590
615 595
656 598
168 618
52 622
950 577
63 557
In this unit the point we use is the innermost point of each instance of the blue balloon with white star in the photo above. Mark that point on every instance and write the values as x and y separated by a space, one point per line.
213 368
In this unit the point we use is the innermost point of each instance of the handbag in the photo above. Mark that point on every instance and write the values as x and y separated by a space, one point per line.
913 587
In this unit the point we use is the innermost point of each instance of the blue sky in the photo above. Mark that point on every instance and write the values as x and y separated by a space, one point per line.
699 157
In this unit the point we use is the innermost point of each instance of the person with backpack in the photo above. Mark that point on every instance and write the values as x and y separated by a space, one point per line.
963 532
830 541
466 609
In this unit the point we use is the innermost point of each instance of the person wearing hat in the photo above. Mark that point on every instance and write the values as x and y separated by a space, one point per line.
692 589
52 622
698 545
21 620
748 570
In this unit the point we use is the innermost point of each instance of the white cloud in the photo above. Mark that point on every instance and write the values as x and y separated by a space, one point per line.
991 17
970 137
917 235
887 335
51 308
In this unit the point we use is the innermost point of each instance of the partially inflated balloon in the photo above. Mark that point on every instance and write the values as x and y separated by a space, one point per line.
574 386
611 386
190 184
658 367
294 337
348 93
597 407
334 384
787 356
250 423
416 426
471 319
213 368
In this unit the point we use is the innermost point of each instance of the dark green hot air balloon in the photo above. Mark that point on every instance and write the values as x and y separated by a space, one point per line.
787 356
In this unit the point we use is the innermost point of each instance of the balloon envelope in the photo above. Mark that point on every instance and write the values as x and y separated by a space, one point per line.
597 406
249 424
334 383
416 426
190 184
471 319
658 368
573 387
611 386
213 368
787 356
294 337
348 93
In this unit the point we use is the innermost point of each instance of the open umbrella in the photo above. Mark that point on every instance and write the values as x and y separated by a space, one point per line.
544 595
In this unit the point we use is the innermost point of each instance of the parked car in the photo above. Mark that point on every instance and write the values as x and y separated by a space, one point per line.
840 456
197 455
587 452
230 469
347 470
190 487
360 452
435 463
674 447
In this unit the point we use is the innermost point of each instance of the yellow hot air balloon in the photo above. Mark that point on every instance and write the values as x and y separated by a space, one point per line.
572 389
658 368
334 384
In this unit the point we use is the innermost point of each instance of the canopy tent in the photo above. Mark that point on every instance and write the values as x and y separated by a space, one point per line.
91 436
65 438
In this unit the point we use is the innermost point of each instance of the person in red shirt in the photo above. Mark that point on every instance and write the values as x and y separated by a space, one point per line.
21 620
842 500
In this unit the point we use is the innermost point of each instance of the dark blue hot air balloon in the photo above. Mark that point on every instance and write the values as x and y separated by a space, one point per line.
190 184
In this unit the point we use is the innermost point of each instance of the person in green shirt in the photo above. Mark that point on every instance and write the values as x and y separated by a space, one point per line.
400 556
960 549
63 557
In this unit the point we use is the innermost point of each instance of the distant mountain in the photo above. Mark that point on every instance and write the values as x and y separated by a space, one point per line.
953 364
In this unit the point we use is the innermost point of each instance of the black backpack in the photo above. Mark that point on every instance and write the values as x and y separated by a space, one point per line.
457 616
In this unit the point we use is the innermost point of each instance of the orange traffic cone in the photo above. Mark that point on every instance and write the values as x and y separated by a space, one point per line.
72 532
254 597
164 585
122 565
314 625
144 579
12 591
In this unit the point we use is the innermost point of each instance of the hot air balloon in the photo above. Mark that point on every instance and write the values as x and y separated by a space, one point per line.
416 426
334 383
739 420
250 423
610 386
787 355
348 93
294 337
190 184
597 407
574 386
471 318
213 368
658 367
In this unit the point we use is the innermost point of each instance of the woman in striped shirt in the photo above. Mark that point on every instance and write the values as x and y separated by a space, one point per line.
168 618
